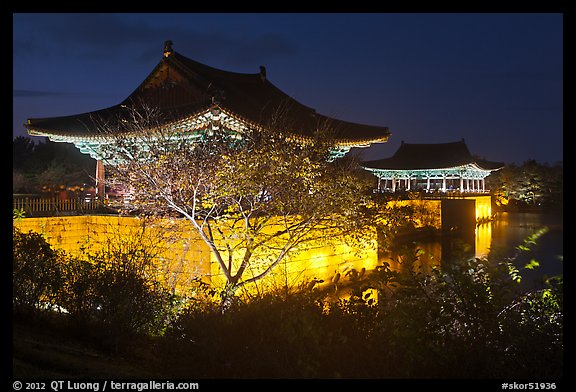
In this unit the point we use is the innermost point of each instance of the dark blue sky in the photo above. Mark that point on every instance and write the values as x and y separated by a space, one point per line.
494 79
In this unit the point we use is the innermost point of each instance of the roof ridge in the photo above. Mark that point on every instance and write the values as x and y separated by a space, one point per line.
179 82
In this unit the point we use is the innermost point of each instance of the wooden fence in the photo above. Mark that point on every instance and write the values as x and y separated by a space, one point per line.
33 206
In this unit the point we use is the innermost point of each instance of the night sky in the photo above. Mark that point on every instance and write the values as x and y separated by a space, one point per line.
494 79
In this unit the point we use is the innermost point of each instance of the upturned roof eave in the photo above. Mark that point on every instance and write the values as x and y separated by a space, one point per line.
84 126
345 142
464 166
73 136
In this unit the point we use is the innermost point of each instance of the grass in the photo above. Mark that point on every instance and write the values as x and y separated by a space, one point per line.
48 350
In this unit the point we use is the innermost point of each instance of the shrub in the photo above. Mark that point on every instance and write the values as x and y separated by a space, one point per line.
467 318
36 273
117 289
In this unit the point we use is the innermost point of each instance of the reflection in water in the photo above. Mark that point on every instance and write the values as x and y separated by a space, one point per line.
511 229
483 239
499 238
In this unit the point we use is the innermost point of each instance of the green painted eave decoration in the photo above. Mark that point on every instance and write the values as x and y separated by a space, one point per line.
470 171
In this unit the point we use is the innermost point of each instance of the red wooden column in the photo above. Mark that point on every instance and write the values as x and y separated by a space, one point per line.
100 179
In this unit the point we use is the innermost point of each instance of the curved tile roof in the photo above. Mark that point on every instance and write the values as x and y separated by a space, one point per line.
181 87
430 156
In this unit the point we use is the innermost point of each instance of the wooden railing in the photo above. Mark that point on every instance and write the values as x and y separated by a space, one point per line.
34 206
452 194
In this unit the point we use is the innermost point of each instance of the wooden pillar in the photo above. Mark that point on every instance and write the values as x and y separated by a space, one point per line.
100 175
393 185
428 184
444 184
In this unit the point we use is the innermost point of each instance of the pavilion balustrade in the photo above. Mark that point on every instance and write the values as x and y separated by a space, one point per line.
463 185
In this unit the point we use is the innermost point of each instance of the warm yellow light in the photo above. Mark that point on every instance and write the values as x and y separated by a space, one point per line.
483 207
483 239
183 257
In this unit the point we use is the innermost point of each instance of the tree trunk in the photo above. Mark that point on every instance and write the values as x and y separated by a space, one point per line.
228 295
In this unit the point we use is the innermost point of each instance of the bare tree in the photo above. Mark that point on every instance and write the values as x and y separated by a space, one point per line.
254 196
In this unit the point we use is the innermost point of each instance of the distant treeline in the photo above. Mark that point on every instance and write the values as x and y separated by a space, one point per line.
531 185
47 167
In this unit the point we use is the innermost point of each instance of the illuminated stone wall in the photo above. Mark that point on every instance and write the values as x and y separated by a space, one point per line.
483 207
319 261
427 213
183 256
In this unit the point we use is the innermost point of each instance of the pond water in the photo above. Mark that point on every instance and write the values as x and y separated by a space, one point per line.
499 239
510 229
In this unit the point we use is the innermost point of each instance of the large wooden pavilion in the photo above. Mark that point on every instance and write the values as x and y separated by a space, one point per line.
440 167
195 99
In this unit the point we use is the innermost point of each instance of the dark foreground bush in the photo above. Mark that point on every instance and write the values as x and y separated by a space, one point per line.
37 273
109 295
468 319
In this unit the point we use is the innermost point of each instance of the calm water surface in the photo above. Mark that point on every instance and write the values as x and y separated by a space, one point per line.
510 229
500 239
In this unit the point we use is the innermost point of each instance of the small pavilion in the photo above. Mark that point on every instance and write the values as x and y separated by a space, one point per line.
440 167
195 99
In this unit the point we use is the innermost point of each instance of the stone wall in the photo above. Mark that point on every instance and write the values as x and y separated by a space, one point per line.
182 256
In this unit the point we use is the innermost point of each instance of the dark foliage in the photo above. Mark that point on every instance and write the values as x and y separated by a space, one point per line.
531 185
113 292
37 273
468 318
46 166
